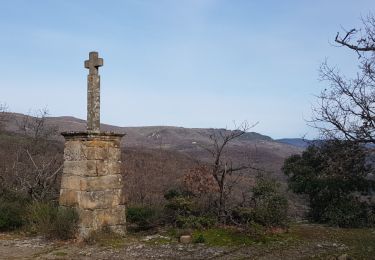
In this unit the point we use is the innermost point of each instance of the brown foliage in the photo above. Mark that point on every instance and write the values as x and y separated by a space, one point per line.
199 180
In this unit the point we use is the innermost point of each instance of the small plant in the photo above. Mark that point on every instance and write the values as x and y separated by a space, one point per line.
199 239
65 224
50 220
270 205
12 210
195 222
142 217
11 215
40 217
255 231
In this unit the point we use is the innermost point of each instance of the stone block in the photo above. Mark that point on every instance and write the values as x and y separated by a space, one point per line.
102 217
81 168
186 239
111 217
108 167
74 167
118 229
114 154
102 199
69 198
96 153
72 182
101 182
91 168
73 151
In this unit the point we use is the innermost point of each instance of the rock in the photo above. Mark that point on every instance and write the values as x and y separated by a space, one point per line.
186 239
343 257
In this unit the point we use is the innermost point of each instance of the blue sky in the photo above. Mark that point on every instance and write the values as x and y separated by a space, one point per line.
190 63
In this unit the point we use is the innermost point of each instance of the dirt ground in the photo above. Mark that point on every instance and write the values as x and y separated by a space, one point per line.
302 242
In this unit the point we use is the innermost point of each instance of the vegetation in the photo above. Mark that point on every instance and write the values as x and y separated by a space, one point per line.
51 221
334 176
143 218
12 211
267 206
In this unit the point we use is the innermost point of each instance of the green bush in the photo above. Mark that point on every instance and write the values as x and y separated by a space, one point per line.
50 220
199 239
40 217
334 175
143 217
268 207
12 211
195 222
65 224
172 193
255 231
271 211
181 205
11 215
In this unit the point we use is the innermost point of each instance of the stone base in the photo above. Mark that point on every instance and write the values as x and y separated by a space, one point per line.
92 181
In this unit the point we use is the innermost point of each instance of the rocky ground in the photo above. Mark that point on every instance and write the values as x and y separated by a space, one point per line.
301 242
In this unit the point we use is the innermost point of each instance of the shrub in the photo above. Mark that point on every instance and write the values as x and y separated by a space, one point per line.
50 220
11 215
199 239
12 211
270 205
65 224
172 193
195 222
40 217
181 205
143 217
255 231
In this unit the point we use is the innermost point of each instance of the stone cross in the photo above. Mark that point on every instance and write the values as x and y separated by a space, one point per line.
93 92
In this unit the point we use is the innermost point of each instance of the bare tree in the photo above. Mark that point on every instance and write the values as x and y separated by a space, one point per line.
222 166
32 164
346 109
35 125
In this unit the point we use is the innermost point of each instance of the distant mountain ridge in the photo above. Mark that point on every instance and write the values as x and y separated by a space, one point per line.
135 134
297 142
261 150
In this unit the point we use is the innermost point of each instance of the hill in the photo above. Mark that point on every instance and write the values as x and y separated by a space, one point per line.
156 158
263 150
297 142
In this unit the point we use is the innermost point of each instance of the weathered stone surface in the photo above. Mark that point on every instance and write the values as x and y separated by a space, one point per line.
101 199
73 151
118 229
69 198
71 182
186 239
114 154
96 153
81 168
102 217
108 167
104 182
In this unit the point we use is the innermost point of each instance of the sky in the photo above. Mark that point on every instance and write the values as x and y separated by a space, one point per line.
189 63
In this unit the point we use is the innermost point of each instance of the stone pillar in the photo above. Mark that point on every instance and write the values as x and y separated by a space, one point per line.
93 102
92 181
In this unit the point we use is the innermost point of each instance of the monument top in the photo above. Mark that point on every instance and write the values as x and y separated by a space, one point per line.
93 92
93 63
